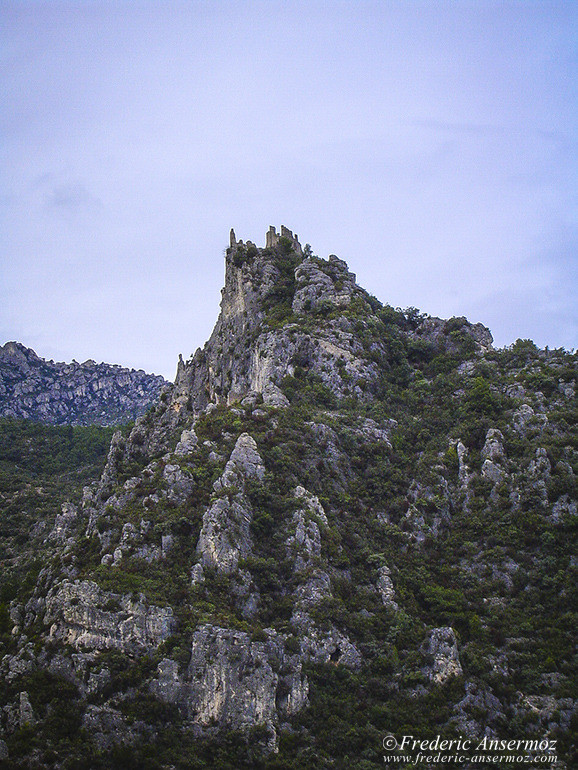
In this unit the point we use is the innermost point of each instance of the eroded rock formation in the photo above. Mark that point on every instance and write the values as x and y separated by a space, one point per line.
72 394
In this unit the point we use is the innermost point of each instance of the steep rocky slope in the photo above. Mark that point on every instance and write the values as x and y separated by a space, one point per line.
342 521
72 394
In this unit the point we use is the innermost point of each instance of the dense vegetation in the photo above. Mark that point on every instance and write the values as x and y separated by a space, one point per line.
41 466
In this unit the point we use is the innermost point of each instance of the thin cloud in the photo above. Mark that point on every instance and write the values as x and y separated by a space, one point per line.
477 129
71 198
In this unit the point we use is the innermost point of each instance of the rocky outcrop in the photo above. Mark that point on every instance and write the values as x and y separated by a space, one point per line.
303 547
452 335
321 282
64 523
386 589
187 443
234 681
244 463
225 535
109 728
72 394
304 542
441 650
256 281
238 682
494 457
19 713
82 614
478 712
329 647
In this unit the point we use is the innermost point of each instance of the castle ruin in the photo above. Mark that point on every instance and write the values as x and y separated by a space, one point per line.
272 238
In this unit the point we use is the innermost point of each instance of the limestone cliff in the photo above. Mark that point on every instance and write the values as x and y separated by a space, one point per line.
72 394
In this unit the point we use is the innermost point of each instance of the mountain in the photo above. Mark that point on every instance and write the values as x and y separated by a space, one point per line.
344 528
72 394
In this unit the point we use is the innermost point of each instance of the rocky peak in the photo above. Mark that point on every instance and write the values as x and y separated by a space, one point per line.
17 354
266 291
283 310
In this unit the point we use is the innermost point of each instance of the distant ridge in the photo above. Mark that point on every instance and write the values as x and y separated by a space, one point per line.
72 394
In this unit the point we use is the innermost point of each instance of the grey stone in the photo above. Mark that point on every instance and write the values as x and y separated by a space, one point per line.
167 544
235 682
187 443
107 727
386 589
304 543
463 469
330 646
564 506
492 472
64 523
251 400
180 484
85 616
244 463
567 389
525 418
441 648
197 574
72 394
438 332
493 449
19 713
168 685
312 591
272 396
479 712
225 536
14 666
319 282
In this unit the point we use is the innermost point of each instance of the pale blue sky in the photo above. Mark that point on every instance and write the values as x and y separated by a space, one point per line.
432 145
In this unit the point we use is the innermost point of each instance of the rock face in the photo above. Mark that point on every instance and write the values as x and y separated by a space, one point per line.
235 682
450 335
258 283
255 345
225 535
317 284
442 650
304 544
72 394
20 713
386 589
83 615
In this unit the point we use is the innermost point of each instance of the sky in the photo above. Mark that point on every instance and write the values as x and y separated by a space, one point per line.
430 144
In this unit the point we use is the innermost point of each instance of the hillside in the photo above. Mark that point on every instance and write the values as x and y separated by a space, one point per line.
42 468
343 521
72 394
